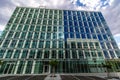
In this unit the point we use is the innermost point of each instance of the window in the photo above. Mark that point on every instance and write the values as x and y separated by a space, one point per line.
39 54
43 28
17 53
36 35
106 54
13 43
17 35
48 36
26 28
27 44
32 54
80 53
20 43
24 54
9 54
60 44
42 36
29 67
37 28
6 43
23 35
49 28
2 51
47 44
74 54
60 53
54 52
31 28
34 44
41 44
30 35
46 54
73 45
67 54
79 44
87 54
54 44
10 34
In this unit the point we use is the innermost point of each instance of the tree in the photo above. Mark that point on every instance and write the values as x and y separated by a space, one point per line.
1 63
53 64
108 67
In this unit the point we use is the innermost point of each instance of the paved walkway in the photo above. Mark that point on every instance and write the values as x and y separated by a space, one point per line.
53 78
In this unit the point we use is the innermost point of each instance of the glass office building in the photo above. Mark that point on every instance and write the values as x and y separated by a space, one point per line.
80 40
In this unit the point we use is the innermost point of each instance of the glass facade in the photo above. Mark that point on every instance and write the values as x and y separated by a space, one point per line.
79 40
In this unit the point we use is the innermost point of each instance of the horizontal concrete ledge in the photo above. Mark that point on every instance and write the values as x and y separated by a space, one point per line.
113 74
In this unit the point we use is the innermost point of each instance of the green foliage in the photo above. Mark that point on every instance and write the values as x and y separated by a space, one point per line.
53 63
1 62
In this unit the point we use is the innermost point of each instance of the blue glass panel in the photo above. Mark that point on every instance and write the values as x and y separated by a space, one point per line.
108 45
105 37
82 30
88 36
65 17
74 18
77 35
79 18
97 30
66 29
112 54
95 13
65 12
102 30
70 17
94 36
91 13
83 36
76 29
69 13
65 23
95 24
85 24
75 23
80 23
78 13
103 45
71 35
93 19
99 24
97 19
70 23
87 30
74 13
90 24
106 54
82 14
100 37
84 19
66 35
88 18
71 29
92 30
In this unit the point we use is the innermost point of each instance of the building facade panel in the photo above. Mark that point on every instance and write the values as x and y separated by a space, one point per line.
80 40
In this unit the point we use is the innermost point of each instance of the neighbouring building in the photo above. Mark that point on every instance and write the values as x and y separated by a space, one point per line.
81 41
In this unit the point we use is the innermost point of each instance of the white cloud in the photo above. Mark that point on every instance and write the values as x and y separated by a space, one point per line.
117 38
2 27
112 16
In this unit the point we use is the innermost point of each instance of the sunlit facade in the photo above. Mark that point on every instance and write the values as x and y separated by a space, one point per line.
79 40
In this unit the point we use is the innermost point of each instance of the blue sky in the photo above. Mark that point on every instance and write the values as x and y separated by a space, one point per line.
109 8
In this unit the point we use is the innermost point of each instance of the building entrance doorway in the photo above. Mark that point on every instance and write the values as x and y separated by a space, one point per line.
46 69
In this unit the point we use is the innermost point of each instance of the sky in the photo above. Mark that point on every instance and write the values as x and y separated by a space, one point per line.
109 8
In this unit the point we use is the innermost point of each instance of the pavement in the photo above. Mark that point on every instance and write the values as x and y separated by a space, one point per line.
57 77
